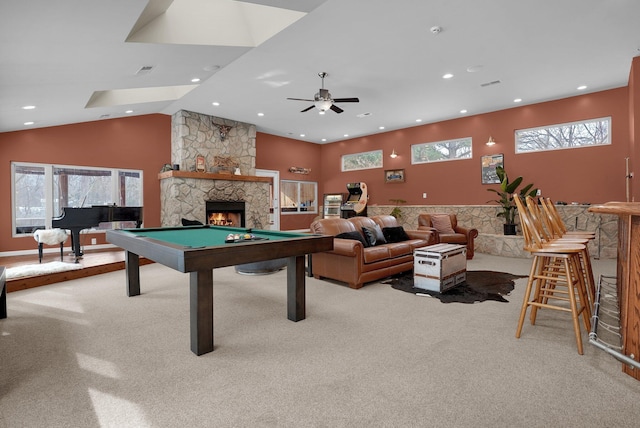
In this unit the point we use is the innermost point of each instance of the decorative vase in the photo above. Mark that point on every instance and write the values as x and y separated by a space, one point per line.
509 229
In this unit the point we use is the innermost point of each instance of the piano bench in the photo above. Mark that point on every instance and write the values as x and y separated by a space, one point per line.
50 237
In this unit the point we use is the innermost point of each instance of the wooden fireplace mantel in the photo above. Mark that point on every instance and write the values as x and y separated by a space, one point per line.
210 176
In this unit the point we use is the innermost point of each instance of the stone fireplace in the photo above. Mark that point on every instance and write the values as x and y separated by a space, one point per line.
184 193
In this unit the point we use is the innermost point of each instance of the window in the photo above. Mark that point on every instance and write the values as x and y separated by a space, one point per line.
299 197
41 191
441 151
365 160
573 135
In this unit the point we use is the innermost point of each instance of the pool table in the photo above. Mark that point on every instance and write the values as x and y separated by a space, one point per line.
200 249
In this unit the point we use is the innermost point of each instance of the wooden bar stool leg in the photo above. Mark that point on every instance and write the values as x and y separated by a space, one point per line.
571 286
527 295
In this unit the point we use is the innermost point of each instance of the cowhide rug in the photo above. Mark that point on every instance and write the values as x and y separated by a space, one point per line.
480 285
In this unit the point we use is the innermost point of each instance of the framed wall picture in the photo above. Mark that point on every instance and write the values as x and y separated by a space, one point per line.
200 164
489 164
394 176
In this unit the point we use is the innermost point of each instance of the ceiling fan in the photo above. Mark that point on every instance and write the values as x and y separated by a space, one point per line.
323 101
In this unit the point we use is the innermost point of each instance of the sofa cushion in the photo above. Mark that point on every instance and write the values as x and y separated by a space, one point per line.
376 254
374 235
355 235
399 249
442 223
395 234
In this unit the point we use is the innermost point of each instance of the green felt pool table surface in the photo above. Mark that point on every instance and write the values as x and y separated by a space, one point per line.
207 236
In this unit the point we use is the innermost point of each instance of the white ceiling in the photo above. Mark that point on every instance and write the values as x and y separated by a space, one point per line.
58 55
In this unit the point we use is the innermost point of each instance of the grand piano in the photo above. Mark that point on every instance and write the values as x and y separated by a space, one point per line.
77 219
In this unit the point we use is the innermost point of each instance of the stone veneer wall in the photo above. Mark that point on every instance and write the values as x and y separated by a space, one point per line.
491 239
195 134
186 197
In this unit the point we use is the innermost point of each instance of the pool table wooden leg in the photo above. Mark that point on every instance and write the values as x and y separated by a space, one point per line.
296 288
3 293
201 311
132 266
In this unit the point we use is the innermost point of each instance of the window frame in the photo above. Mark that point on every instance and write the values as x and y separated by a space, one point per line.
49 201
298 193
414 147
517 133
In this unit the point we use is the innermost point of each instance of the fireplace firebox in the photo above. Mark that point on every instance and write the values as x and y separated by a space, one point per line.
225 213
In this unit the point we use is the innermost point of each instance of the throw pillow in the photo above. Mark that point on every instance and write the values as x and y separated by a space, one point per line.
353 235
395 234
442 223
374 235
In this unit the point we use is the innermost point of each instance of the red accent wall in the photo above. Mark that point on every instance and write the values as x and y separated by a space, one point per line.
592 174
139 142
279 154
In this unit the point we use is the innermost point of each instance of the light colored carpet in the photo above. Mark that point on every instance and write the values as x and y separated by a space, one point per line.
82 354
40 269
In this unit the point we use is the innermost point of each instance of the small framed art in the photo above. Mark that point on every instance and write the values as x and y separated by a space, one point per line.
200 164
394 176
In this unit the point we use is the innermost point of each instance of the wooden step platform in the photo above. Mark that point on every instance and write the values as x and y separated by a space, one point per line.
93 263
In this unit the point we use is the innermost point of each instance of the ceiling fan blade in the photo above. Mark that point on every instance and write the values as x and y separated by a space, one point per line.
336 108
300 99
346 100
307 109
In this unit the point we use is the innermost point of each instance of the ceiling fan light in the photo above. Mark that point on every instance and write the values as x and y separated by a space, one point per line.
323 105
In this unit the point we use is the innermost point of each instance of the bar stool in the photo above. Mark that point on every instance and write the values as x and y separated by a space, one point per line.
550 236
50 237
556 278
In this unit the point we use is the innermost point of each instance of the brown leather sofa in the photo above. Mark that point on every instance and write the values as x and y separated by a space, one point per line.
351 262
461 235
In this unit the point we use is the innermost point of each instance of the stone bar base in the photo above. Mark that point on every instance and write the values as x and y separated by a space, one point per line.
501 245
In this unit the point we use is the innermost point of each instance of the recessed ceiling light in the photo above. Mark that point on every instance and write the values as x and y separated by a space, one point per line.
447 76
346 135
324 139
418 120
380 127
29 107
129 111
215 103
195 80
302 135
463 111
581 88
517 100
29 123
260 114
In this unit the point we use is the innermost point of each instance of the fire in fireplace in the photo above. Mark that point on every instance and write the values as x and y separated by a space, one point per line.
225 213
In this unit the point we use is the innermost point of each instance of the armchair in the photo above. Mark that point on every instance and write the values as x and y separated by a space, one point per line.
447 230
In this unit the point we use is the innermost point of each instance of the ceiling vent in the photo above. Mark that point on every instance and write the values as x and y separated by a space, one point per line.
145 69
363 114
495 82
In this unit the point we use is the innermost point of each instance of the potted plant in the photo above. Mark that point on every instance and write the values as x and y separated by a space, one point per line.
397 211
507 189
